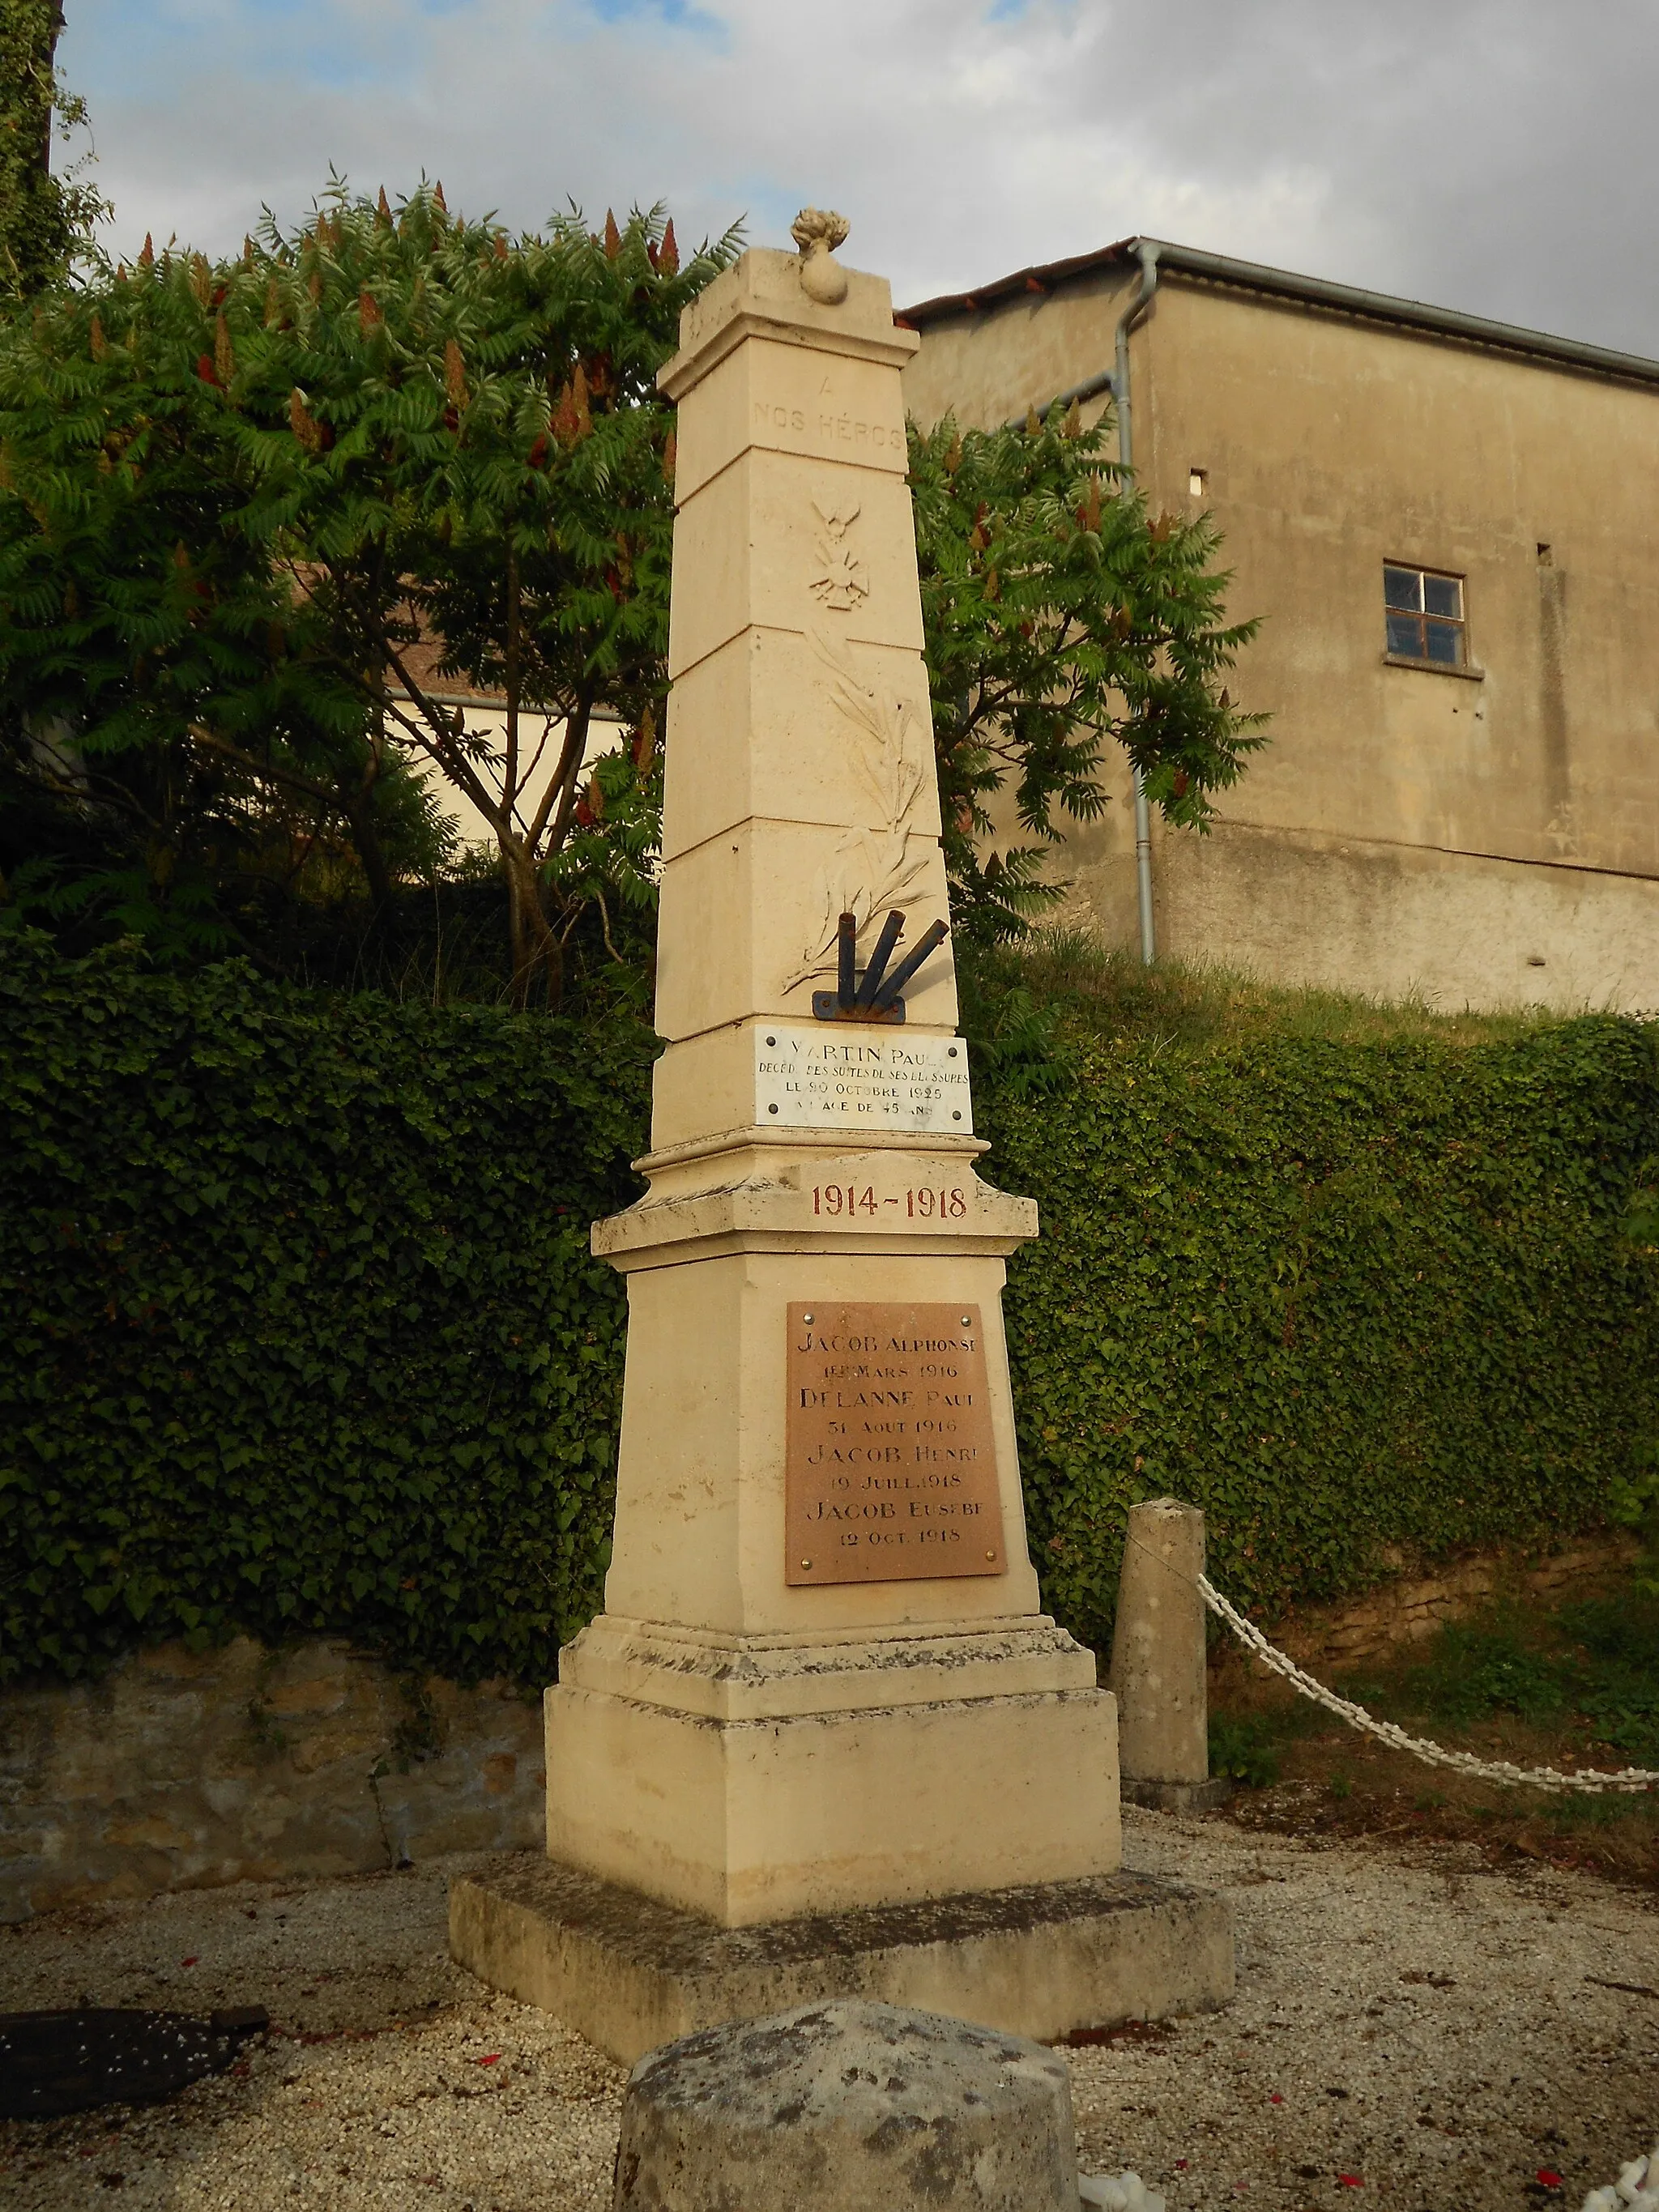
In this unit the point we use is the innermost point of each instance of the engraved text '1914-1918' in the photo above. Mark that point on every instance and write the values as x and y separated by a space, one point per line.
892 1474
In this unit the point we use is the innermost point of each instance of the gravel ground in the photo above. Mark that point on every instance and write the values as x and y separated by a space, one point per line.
1434 2032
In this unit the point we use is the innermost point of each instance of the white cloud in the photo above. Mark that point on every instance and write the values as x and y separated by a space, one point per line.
1495 154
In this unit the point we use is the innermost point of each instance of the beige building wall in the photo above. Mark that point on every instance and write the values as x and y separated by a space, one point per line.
1486 838
489 721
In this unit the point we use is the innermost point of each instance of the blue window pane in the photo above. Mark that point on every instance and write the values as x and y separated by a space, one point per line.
1442 595
1445 642
1402 587
1405 635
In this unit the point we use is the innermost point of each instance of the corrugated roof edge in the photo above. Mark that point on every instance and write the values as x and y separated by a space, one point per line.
1285 283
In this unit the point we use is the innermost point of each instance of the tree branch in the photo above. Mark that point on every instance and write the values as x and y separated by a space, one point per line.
267 771
561 786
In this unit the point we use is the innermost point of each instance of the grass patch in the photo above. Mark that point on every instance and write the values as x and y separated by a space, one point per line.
1474 1672
1574 1686
1103 991
1242 1748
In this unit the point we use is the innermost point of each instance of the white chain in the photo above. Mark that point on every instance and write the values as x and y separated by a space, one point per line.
1637 2189
1432 1754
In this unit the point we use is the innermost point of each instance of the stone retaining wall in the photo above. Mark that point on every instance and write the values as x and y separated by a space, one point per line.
179 1772
1411 1608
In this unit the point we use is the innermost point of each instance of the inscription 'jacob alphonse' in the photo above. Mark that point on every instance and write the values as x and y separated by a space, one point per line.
892 1464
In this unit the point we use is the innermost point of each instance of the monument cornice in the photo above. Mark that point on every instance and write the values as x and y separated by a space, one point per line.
831 1143
673 1244
737 1678
876 1211
694 362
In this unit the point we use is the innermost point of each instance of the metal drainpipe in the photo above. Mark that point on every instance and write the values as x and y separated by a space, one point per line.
1125 322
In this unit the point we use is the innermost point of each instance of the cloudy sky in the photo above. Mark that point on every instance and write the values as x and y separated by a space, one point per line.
1498 156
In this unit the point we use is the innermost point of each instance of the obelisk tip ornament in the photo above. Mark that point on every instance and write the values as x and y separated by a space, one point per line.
819 232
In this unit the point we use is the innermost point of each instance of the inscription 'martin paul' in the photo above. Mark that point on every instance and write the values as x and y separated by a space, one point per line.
892 1472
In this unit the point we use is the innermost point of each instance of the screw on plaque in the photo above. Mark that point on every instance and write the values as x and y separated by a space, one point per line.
876 997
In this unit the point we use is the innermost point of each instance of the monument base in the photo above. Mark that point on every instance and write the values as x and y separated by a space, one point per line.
1042 1961
751 1780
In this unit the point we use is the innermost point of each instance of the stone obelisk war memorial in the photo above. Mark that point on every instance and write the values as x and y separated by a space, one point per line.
822 1740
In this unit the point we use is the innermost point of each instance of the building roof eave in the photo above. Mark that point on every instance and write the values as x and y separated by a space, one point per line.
1307 291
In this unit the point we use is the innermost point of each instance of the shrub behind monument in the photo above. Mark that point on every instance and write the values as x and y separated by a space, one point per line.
1343 1297
302 1330
303 1335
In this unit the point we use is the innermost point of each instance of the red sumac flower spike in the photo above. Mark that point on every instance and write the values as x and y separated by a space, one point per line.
454 374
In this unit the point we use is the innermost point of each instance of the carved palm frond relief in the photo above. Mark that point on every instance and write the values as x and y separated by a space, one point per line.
874 870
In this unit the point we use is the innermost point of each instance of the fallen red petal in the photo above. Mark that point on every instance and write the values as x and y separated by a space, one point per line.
1349 2181
1550 2179
490 2061
192 1960
1275 2099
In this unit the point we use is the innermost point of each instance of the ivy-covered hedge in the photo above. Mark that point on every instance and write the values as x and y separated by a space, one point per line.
301 1331
301 1327
1343 1297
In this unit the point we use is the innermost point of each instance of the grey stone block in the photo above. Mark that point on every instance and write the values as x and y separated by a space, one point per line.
849 2107
630 1974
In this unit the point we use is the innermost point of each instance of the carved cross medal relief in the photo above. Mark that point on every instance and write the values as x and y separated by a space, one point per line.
841 579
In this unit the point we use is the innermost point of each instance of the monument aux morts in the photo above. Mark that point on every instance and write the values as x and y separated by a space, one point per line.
823 1739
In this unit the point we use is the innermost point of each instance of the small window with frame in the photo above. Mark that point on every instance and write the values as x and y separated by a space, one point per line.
1425 616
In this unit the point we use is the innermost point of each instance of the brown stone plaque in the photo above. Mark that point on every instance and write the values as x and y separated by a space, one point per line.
892 1474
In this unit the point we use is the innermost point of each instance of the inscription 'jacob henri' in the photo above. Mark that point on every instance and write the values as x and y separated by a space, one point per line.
892 1471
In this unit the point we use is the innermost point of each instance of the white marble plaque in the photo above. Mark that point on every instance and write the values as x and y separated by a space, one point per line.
839 1075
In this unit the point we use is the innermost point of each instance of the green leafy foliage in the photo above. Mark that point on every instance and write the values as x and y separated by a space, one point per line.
1616 1683
1478 1668
1635 1500
1583 1676
45 218
1343 1296
1061 619
302 1333
260 519
1243 1748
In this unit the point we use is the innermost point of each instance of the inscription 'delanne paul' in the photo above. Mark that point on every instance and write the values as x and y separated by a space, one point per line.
892 1474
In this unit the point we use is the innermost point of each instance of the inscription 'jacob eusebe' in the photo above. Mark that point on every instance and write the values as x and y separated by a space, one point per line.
891 1463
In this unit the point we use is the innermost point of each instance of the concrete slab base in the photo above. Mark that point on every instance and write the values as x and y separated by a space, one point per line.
1178 1796
630 1974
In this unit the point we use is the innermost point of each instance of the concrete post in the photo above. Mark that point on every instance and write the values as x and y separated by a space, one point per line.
1157 1662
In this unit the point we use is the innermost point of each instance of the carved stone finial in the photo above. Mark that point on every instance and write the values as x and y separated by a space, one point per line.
819 232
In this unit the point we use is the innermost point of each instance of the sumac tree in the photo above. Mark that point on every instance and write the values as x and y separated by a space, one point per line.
1061 618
